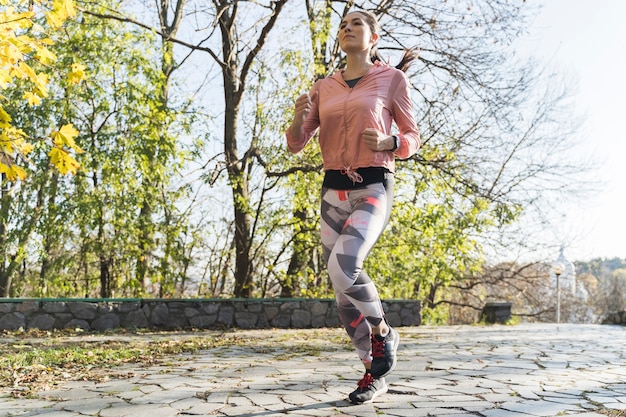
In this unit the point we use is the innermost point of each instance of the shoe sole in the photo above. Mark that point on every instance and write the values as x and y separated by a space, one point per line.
396 343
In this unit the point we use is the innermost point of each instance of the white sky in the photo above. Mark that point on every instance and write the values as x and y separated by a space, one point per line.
587 39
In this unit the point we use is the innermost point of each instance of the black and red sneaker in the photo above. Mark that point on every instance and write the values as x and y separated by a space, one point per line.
368 388
384 353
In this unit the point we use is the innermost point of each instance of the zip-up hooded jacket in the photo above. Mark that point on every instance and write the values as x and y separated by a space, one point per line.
342 113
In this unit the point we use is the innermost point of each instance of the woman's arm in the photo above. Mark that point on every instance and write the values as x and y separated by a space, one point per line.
403 115
305 122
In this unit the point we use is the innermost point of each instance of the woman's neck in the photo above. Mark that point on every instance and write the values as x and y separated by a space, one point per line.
356 65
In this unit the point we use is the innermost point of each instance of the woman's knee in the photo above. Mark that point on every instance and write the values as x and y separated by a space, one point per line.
343 272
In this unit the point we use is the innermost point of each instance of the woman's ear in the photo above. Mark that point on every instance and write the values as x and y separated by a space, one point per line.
374 38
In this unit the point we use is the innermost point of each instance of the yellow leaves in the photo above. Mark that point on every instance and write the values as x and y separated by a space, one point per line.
65 137
61 11
44 55
5 119
60 158
26 148
77 74
10 53
12 171
11 20
23 41
5 78
63 161
33 99
12 142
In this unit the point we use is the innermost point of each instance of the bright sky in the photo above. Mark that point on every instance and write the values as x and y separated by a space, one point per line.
587 39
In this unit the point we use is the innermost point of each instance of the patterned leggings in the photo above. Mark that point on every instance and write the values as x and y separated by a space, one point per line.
351 223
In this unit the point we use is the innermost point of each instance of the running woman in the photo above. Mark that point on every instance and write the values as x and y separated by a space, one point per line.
353 110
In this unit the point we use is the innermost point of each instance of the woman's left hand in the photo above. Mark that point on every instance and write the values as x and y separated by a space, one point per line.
377 140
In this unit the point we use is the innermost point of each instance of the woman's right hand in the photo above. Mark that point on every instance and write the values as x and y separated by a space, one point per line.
303 108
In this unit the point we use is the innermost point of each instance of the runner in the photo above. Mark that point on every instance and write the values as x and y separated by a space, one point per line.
353 110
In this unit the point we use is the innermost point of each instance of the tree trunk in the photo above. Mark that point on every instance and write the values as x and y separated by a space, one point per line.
169 28
233 88
10 262
431 295
299 258
106 287
239 185
5 201
5 282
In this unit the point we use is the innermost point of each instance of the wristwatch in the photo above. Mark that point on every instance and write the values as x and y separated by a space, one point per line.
396 143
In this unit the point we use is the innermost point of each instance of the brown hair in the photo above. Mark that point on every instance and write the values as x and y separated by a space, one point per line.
409 55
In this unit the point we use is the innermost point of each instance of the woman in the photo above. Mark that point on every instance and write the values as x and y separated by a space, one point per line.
353 110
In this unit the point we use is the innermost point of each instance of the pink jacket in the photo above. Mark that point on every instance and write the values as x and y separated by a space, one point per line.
342 113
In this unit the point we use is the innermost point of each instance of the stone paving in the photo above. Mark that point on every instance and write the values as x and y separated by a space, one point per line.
490 371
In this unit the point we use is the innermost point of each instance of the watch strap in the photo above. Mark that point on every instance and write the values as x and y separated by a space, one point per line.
396 143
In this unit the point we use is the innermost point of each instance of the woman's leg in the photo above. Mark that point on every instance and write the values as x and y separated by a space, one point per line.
351 223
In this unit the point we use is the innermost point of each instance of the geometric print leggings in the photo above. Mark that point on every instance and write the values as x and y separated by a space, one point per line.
351 224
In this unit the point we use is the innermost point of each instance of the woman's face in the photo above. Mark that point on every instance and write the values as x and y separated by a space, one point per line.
355 34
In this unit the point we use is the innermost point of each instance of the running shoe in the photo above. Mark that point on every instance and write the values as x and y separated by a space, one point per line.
384 353
367 389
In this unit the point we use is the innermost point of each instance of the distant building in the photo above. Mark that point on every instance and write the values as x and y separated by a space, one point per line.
567 280
574 295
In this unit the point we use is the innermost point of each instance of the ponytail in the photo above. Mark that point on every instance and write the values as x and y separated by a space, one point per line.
408 57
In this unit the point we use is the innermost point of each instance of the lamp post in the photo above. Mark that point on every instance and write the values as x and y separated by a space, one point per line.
557 270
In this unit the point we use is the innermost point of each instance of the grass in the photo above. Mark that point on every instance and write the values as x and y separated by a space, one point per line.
612 413
31 361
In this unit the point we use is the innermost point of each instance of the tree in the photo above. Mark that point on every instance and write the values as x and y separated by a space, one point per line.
134 154
235 69
89 231
25 67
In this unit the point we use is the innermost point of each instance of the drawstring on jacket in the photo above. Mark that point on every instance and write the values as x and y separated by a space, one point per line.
352 174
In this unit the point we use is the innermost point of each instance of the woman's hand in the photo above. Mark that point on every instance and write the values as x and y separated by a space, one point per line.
303 108
377 140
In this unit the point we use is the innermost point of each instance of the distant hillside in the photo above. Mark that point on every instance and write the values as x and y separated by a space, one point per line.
600 267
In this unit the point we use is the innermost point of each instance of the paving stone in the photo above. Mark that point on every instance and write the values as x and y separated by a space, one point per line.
88 406
162 397
8 404
187 403
527 393
138 410
52 413
241 410
238 400
218 397
497 398
69 393
494 412
264 399
538 408
203 409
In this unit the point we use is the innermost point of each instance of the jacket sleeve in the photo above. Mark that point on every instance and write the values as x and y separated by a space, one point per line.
402 111
310 126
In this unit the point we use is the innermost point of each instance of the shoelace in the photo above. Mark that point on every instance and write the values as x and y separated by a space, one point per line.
378 347
366 381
